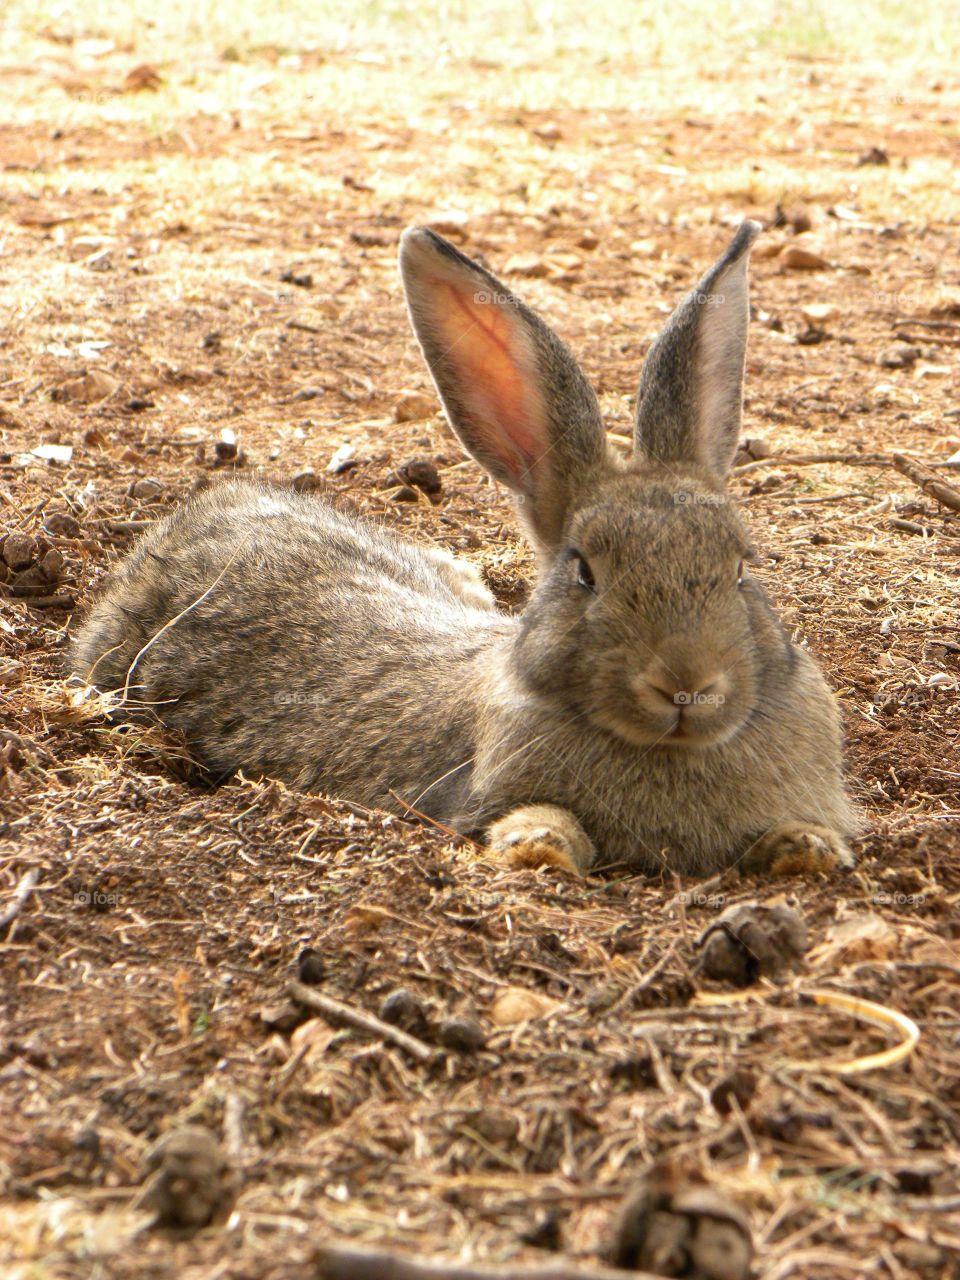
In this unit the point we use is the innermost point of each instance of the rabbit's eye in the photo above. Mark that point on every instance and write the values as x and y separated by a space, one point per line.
585 576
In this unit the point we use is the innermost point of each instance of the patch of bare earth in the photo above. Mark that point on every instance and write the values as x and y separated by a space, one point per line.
160 332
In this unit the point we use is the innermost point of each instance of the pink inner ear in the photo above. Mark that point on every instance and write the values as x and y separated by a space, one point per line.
495 376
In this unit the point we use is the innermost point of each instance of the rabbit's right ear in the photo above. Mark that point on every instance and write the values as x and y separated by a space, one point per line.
691 388
512 391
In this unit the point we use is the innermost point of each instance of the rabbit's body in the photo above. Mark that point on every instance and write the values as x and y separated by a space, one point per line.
646 705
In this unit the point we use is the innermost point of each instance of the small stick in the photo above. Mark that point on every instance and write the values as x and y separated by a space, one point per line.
20 894
424 817
336 1262
62 600
926 324
941 339
808 460
928 481
233 1114
336 1011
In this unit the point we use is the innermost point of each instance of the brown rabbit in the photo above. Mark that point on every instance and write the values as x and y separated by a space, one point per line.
647 707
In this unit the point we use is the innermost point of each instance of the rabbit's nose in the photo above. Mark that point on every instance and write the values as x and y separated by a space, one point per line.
659 689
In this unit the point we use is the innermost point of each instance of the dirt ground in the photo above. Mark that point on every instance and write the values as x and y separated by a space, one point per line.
198 235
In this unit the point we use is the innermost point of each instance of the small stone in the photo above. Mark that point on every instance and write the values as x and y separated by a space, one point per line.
306 481
19 551
87 389
188 1179
302 279
137 404
212 341
811 337
526 264
796 259
898 356
146 490
876 155
452 222
463 1035
282 1015
226 447
59 453
62 525
756 448
817 312
544 1232
412 406
588 239
343 459
549 131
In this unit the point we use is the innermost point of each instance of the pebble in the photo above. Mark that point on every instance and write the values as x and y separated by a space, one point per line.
898 356
796 259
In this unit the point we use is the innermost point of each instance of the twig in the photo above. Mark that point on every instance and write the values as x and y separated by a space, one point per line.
810 459
233 1113
336 1262
940 339
20 894
928 481
361 1020
425 817
61 600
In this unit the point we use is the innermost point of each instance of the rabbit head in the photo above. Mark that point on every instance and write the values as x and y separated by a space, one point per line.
644 618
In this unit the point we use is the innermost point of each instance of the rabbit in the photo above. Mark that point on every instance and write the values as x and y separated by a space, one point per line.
646 708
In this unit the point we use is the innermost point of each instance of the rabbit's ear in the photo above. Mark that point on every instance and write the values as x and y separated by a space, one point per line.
512 391
691 388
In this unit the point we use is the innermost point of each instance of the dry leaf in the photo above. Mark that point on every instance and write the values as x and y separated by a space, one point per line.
312 1038
142 77
412 406
517 1004
87 389
863 937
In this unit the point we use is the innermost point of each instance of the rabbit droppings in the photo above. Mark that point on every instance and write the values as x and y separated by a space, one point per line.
647 707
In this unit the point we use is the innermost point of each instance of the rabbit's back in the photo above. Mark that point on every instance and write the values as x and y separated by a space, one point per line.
281 636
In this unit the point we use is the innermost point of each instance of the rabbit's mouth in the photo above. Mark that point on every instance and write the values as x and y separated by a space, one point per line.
679 733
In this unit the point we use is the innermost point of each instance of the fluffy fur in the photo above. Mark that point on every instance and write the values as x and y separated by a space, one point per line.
647 706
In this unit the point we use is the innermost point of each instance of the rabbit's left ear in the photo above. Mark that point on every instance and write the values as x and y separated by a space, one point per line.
691 389
512 391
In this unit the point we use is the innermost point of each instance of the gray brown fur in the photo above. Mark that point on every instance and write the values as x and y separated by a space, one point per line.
339 657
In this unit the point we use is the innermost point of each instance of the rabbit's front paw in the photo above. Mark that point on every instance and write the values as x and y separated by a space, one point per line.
540 835
797 848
